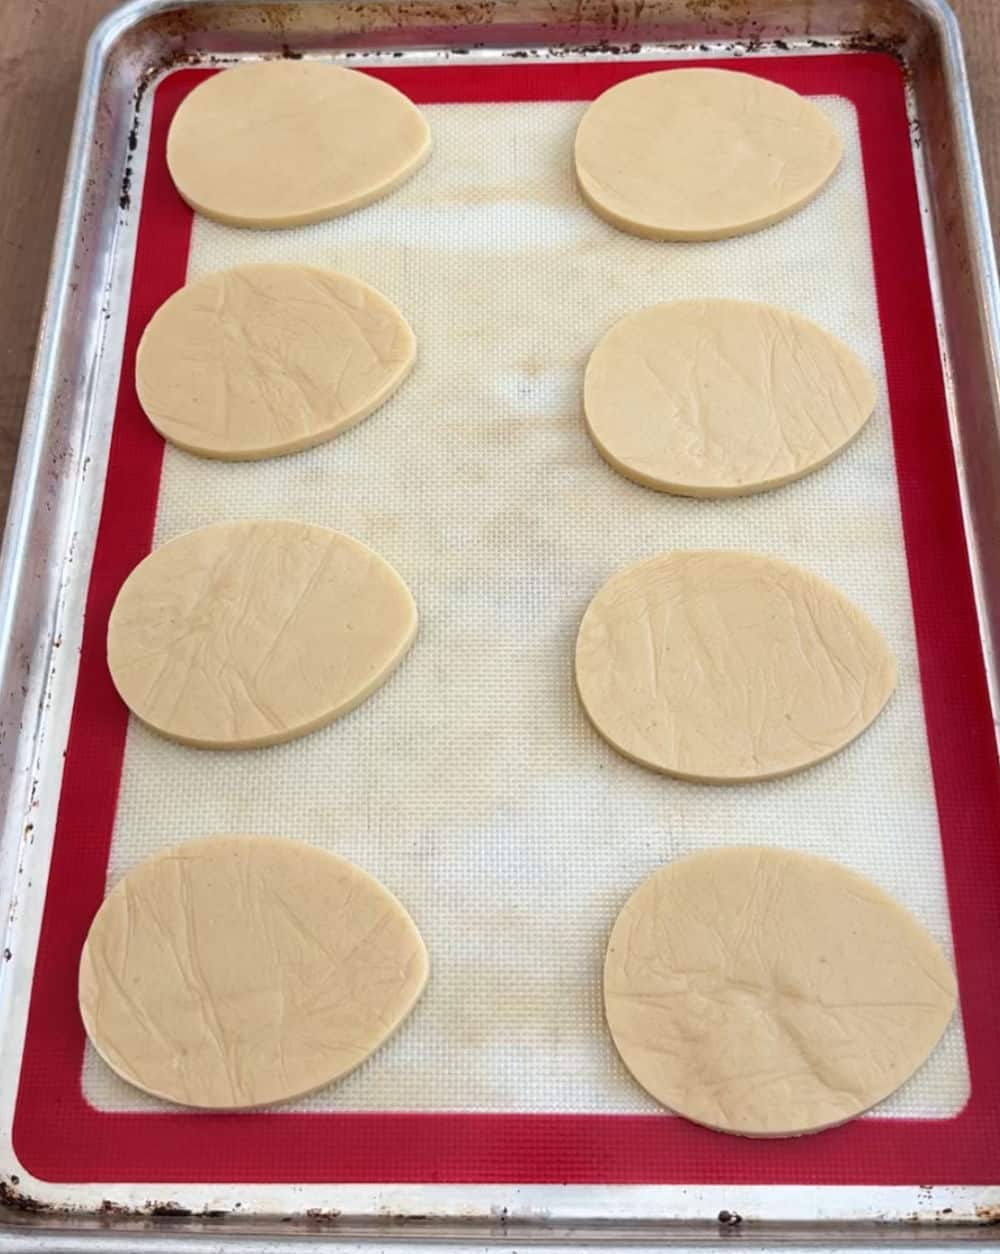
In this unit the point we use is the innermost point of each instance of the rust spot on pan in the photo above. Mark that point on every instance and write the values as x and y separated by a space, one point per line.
168 1210
12 1198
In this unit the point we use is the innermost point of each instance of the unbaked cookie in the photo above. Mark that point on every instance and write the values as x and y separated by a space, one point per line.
771 993
722 397
281 143
702 154
269 359
237 971
727 667
251 633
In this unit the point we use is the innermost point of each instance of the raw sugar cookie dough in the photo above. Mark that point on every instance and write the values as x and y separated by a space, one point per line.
722 397
726 667
252 633
268 359
237 971
702 154
771 993
282 143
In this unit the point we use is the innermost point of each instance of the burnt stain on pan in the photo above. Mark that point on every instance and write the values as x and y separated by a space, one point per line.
12 1198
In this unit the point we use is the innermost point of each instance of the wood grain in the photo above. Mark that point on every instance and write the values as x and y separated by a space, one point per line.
980 21
41 53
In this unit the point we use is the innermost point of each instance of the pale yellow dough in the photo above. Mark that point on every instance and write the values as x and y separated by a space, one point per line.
702 154
281 143
726 667
268 359
237 971
722 397
771 993
251 633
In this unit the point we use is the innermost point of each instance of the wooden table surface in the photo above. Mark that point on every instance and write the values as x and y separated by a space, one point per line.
40 58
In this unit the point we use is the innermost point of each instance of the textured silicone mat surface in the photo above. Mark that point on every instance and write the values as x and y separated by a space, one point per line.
472 785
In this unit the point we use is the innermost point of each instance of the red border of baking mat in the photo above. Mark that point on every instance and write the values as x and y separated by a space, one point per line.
59 1137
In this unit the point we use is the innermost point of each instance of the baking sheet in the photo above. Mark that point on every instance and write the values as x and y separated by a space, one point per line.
472 784
456 1170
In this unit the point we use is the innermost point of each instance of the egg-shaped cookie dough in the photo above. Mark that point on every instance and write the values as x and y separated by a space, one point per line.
771 993
701 154
721 398
283 143
727 667
236 971
251 633
262 360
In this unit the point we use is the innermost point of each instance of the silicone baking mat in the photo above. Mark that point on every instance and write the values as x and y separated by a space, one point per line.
472 785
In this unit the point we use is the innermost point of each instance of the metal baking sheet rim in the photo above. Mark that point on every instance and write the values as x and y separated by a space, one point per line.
47 491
